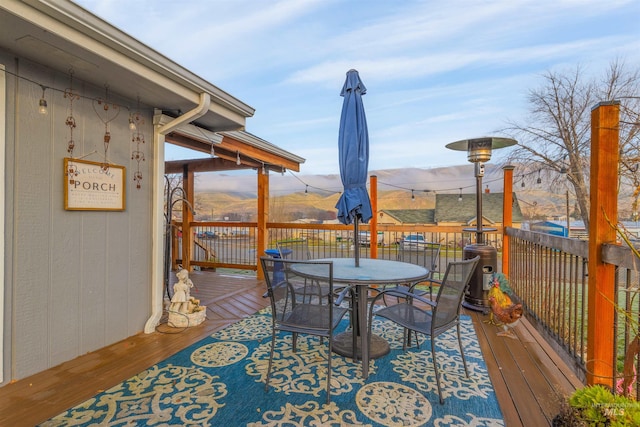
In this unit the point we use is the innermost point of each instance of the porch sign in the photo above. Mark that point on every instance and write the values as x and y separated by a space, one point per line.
89 187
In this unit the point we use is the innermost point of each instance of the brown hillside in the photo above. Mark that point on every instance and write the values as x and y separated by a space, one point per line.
217 206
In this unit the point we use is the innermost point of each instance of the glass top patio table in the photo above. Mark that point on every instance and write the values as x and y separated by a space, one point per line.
369 272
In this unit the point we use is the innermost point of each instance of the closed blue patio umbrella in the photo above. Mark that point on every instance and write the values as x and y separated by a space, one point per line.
353 151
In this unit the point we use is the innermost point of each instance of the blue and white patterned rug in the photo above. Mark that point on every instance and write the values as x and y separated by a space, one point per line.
219 381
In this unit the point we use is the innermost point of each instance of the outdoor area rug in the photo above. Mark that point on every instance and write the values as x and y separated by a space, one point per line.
219 381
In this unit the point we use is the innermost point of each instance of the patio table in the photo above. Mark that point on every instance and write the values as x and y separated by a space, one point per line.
369 272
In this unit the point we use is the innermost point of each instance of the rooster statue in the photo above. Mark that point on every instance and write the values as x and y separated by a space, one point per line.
503 309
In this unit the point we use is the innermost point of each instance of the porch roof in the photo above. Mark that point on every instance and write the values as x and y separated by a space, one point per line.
229 147
63 36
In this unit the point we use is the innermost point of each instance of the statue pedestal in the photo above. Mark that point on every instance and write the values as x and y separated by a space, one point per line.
184 320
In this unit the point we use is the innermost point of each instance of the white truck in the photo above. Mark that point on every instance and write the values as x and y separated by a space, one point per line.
364 238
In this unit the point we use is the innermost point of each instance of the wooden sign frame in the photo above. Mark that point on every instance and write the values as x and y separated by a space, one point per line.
92 186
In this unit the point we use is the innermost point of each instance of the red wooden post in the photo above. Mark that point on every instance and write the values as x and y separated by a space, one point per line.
187 216
604 204
507 216
263 218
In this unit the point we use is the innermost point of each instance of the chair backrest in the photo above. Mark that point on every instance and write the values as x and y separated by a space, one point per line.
425 254
286 285
294 249
453 288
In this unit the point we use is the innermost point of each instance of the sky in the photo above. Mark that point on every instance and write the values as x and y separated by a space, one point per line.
435 71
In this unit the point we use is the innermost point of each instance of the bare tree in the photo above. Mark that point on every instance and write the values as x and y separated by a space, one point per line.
556 135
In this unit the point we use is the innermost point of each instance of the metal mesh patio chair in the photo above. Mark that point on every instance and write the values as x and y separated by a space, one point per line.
291 313
425 254
298 249
432 318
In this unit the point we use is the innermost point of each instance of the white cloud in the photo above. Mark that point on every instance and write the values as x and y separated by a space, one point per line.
435 71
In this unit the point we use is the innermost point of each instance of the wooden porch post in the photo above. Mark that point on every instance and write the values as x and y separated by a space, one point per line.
604 197
507 216
263 218
187 216
373 229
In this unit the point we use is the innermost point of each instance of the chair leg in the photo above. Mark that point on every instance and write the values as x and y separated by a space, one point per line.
329 372
384 297
464 361
351 319
273 344
406 337
354 339
435 368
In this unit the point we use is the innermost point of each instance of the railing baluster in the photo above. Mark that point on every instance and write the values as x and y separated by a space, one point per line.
549 274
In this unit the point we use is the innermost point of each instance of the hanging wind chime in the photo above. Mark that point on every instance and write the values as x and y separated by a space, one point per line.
70 121
137 139
108 118
72 172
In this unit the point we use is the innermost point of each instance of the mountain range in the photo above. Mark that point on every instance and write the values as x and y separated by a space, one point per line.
445 179
295 196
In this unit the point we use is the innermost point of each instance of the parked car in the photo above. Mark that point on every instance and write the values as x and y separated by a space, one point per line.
413 241
207 235
364 238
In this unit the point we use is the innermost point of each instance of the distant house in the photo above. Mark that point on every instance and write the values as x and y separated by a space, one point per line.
407 216
453 209
576 229
549 227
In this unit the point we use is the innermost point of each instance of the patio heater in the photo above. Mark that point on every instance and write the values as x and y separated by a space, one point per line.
479 152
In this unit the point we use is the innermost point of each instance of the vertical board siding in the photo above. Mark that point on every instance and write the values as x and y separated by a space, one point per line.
80 279
31 205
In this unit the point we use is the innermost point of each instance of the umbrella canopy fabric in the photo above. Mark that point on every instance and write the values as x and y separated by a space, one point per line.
353 152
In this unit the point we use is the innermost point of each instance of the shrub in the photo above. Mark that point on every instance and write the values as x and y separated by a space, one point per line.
597 406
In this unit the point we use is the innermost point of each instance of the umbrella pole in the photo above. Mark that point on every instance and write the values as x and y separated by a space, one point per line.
356 241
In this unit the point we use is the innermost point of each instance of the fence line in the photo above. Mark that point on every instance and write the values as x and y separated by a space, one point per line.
550 276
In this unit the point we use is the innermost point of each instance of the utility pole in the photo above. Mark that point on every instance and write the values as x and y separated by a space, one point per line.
568 219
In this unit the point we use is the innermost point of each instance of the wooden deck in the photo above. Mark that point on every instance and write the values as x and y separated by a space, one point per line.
529 378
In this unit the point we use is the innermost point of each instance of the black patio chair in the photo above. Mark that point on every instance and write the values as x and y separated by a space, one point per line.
291 312
425 254
298 249
431 318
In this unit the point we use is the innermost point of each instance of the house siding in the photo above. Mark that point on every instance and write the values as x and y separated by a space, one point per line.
75 281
